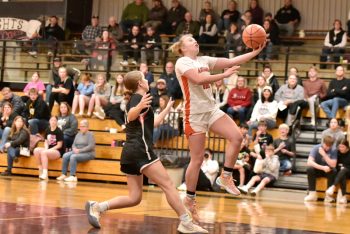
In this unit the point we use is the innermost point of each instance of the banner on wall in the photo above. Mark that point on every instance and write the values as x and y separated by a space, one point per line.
13 28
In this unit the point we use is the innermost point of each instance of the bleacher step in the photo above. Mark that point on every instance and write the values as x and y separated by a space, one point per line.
295 181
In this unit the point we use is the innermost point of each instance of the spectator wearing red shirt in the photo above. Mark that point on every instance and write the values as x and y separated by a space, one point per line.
239 100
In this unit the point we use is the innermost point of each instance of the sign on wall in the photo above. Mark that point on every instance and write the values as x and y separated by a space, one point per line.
13 28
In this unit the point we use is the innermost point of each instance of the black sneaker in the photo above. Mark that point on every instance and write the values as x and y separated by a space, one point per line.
6 173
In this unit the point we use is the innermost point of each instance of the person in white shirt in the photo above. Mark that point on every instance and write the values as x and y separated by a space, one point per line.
334 44
220 93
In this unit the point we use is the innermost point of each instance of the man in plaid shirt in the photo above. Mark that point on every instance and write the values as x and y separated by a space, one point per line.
93 31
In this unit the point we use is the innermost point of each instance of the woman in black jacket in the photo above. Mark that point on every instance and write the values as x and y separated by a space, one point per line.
272 37
6 118
19 137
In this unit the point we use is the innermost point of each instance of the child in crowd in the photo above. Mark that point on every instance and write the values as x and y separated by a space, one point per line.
267 175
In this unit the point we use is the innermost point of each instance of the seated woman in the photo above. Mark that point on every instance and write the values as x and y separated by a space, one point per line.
257 93
208 32
268 174
7 116
334 44
343 172
290 98
265 109
52 150
99 99
220 93
19 137
37 84
234 43
239 100
115 107
83 94
83 149
169 127
68 123
103 52
272 37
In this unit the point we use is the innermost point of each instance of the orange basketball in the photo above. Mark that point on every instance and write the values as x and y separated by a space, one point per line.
253 36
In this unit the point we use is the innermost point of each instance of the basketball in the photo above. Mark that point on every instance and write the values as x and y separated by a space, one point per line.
253 36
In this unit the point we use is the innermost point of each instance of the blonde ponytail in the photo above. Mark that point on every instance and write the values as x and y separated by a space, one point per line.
176 47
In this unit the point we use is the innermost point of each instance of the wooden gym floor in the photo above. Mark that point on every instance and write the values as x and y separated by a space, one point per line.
31 206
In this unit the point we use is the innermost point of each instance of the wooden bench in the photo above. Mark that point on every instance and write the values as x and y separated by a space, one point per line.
321 187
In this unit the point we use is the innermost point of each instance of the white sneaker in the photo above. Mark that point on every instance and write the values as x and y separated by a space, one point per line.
182 187
243 189
93 213
133 62
190 227
330 190
43 177
49 54
61 177
71 179
254 193
328 199
33 53
342 200
312 196
98 115
313 122
124 63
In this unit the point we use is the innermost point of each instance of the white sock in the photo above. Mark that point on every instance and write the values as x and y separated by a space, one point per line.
103 206
185 218
44 172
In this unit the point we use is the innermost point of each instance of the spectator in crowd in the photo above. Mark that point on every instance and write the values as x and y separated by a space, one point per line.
271 79
157 92
207 174
173 86
169 127
90 35
188 26
116 106
63 91
229 15
268 174
239 100
334 44
7 116
135 13
55 78
259 88
52 33
148 74
284 149
15 100
68 123
100 97
37 84
257 12
338 94
265 109
53 149
272 37
334 131
115 30
157 16
343 169
207 10
18 137
321 163
151 48
102 53
314 89
132 46
245 20
294 71
83 149
83 94
268 16
234 43
176 14
290 98
287 18
208 32
220 94
36 112
261 139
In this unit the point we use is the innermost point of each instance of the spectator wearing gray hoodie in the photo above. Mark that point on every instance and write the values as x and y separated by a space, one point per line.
290 98
68 123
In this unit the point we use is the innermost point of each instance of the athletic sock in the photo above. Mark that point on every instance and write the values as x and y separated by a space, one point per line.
191 194
45 172
103 206
227 172
185 218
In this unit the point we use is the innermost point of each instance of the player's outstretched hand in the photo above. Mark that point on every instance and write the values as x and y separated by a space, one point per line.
231 70
145 101
261 47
